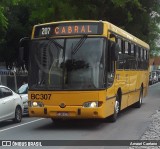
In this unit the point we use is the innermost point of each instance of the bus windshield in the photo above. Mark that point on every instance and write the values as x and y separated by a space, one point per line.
67 64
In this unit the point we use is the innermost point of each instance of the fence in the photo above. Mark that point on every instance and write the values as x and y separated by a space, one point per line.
13 79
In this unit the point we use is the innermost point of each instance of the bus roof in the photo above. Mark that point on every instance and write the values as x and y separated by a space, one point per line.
59 22
124 34
114 29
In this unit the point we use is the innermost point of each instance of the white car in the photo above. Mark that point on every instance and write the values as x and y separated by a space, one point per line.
23 92
11 105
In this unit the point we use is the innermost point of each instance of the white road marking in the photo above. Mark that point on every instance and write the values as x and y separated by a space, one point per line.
21 124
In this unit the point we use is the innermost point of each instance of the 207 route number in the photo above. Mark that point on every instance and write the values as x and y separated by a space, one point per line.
41 96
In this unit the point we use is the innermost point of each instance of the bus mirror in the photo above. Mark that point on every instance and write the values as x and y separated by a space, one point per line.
23 49
114 51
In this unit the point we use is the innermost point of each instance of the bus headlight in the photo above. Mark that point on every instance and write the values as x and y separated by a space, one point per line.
35 104
92 104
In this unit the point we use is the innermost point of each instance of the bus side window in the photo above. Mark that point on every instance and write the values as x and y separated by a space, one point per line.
131 58
137 53
145 59
132 51
126 47
126 55
142 53
119 63
119 41
145 53
141 58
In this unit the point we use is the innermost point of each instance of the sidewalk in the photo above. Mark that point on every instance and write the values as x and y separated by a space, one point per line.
152 132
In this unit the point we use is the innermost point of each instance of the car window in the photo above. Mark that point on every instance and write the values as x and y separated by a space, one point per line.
158 72
23 89
6 92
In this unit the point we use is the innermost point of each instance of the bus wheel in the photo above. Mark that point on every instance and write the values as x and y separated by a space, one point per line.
139 103
113 117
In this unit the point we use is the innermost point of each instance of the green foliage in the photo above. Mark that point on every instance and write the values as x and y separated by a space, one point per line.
3 10
17 17
3 19
48 11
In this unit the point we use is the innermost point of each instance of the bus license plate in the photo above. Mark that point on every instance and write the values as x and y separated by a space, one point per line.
62 114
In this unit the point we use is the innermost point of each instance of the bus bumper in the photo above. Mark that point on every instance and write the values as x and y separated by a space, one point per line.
69 112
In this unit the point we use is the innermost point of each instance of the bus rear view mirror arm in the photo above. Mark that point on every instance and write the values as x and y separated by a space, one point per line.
22 47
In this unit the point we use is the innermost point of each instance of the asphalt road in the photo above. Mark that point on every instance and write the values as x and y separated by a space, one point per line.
131 124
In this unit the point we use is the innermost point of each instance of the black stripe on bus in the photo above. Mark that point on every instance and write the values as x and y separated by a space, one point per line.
108 98
124 93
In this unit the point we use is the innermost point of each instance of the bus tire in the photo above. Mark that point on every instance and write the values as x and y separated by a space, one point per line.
139 103
113 117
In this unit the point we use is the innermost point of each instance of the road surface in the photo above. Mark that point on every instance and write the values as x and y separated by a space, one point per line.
130 125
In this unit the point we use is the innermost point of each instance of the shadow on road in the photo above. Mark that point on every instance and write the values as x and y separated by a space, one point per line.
89 124
72 124
6 123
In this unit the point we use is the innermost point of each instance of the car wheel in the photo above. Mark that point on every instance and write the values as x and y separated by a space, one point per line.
18 114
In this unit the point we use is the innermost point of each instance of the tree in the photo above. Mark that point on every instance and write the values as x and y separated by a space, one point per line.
17 17
17 27
3 19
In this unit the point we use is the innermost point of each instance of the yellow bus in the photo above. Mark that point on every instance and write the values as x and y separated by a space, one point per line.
85 70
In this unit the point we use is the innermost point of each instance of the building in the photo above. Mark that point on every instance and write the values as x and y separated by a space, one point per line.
154 63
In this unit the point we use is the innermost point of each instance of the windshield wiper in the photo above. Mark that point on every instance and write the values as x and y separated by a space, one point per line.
54 42
79 44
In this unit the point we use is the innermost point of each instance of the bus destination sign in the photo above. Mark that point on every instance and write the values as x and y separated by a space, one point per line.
67 29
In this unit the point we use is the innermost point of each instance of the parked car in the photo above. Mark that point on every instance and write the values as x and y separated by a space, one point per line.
11 105
23 92
158 73
151 81
153 77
